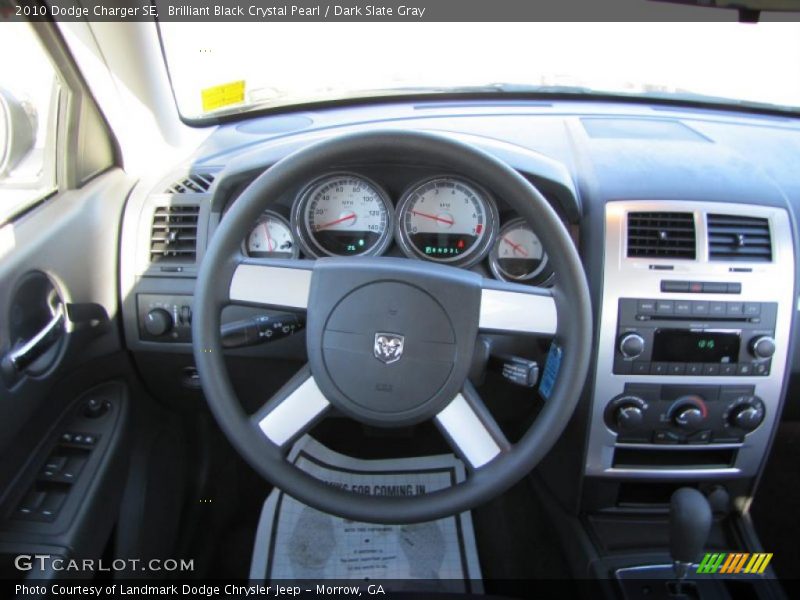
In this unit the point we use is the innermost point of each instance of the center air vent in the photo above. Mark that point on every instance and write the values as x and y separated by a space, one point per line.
174 233
661 235
732 237
196 183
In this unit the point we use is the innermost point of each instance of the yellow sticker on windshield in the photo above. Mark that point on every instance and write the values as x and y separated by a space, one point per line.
222 95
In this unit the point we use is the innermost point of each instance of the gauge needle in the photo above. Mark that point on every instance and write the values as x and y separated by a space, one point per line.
434 217
342 219
270 245
517 247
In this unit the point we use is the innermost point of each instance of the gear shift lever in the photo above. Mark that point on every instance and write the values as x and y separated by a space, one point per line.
689 525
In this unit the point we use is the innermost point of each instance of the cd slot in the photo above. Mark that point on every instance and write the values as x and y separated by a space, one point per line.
705 319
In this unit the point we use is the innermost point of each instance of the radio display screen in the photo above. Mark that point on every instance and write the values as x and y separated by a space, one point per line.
685 346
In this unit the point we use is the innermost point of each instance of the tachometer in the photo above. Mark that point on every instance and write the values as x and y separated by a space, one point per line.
343 215
518 255
271 238
448 220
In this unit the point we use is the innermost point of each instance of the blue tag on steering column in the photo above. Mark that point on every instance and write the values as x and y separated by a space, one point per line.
551 368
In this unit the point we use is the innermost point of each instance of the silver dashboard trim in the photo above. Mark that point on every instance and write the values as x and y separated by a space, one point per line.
625 277
503 310
295 413
639 473
268 285
679 447
467 432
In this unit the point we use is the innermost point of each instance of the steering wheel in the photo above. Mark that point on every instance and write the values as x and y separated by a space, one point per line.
432 313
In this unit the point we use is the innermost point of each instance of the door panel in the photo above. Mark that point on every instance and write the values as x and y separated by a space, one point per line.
67 247
65 377
73 240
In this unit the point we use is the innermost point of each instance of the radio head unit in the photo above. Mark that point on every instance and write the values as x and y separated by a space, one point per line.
735 339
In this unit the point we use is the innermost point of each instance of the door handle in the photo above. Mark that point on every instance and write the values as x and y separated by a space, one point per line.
21 356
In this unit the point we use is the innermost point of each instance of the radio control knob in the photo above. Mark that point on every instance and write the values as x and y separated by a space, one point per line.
157 322
689 412
631 345
762 347
747 413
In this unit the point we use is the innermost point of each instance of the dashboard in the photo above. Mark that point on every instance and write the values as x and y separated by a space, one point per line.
684 219
441 218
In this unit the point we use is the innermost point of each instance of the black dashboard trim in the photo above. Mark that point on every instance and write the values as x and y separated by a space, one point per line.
492 99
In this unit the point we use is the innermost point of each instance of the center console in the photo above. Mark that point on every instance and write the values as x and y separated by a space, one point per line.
694 333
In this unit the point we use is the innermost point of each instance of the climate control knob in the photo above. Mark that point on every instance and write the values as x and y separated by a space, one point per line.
762 347
628 417
158 322
689 412
747 413
631 345
626 413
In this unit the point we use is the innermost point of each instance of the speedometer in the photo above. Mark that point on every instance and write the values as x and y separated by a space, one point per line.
447 220
343 215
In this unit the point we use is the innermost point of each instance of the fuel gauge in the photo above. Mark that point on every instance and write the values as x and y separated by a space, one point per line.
271 238
517 254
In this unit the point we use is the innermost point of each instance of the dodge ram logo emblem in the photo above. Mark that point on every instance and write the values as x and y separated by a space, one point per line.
388 347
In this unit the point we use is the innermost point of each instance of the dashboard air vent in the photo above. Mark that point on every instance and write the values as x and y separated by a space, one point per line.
196 183
661 235
174 233
739 238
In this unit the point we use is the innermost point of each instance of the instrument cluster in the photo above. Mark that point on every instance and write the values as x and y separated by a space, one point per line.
445 219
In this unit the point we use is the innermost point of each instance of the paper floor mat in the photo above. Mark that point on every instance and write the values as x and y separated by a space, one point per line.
295 541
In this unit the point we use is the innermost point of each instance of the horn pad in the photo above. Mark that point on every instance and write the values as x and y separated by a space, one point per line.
389 345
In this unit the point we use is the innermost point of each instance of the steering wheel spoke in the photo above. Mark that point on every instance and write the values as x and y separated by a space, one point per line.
517 308
292 411
278 283
471 429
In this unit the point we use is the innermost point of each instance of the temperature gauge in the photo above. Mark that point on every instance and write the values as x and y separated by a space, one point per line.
518 255
271 238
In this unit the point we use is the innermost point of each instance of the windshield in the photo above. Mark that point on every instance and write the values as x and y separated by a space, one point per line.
222 68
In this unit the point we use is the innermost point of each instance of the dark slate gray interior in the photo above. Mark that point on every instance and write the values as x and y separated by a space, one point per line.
159 450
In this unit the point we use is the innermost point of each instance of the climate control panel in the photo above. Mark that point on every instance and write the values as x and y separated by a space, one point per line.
677 414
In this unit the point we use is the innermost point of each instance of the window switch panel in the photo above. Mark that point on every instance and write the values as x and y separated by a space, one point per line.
51 505
68 473
29 505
